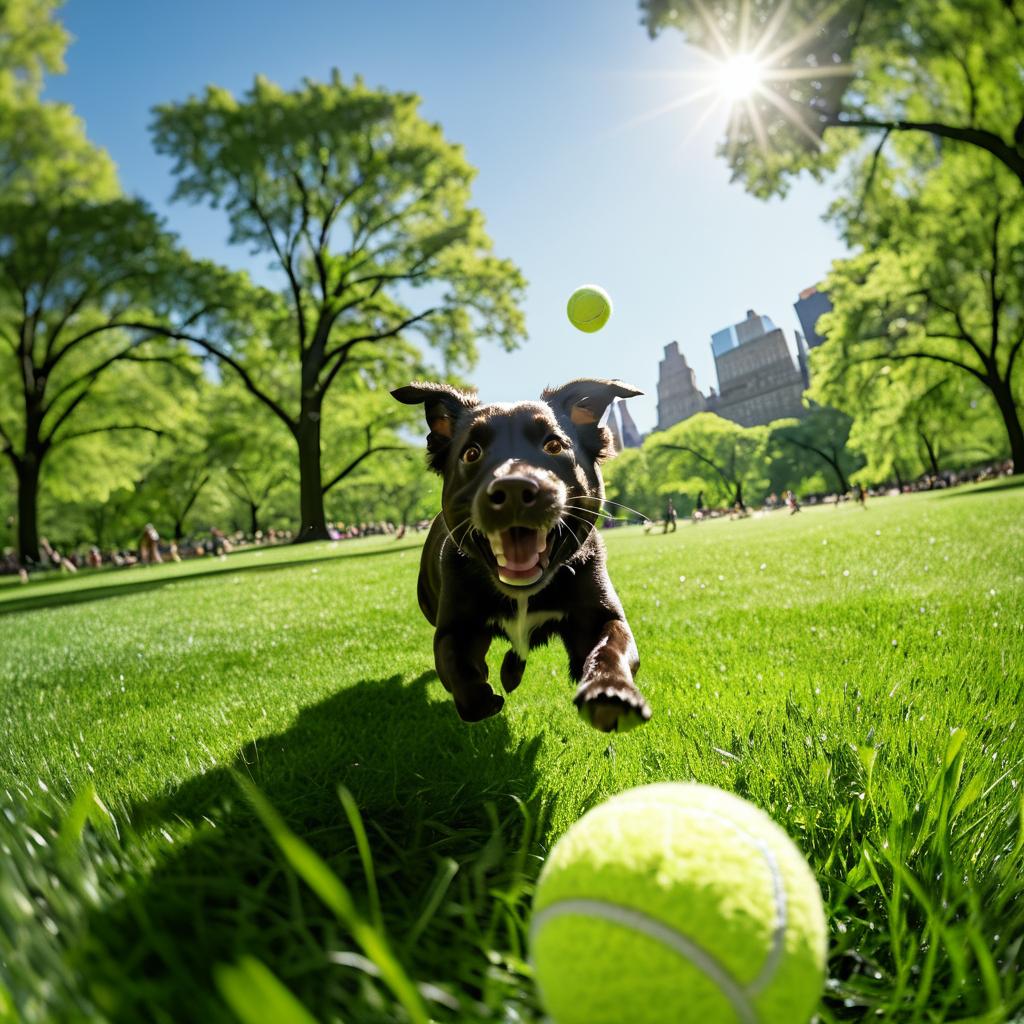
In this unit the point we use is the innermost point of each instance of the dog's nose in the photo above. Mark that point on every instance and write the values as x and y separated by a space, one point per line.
512 490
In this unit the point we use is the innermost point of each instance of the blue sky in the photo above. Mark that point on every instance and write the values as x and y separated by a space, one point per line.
550 99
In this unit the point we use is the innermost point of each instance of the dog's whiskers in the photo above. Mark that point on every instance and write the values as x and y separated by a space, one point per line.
562 522
608 501
598 513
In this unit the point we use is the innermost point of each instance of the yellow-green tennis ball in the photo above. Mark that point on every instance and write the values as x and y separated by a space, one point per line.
678 904
589 308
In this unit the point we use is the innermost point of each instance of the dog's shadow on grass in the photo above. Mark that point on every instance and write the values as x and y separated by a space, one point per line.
452 822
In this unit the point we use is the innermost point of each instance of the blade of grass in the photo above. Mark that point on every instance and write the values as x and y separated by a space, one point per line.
319 877
255 995
355 821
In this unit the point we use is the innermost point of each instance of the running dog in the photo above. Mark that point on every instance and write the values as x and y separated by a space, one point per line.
514 552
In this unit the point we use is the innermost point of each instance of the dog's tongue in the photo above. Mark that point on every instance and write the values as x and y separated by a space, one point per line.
522 548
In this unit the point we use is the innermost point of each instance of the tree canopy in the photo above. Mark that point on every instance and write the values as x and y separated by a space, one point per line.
362 206
832 74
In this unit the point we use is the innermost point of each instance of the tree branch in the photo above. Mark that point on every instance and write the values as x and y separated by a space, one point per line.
979 137
286 263
214 350
870 181
995 299
729 482
54 441
882 357
344 348
356 461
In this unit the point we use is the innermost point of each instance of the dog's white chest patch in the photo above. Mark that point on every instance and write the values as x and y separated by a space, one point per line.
521 626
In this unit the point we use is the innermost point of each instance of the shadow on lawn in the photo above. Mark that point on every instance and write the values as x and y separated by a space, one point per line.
31 598
999 485
433 793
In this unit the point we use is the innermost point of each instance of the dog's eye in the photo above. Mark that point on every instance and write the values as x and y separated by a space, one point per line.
553 446
472 453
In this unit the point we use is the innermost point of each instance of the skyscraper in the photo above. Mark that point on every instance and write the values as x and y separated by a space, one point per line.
678 395
630 435
758 381
809 307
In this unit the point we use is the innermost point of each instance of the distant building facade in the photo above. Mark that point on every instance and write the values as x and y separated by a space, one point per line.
809 307
758 381
631 437
679 398
621 426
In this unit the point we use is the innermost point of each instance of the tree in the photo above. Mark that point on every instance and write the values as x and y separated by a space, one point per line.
824 434
32 42
629 481
831 74
915 417
363 208
74 258
939 282
729 458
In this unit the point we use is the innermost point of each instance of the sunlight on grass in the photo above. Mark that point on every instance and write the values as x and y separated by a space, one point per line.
857 674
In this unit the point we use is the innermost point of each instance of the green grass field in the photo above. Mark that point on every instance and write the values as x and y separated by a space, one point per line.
859 674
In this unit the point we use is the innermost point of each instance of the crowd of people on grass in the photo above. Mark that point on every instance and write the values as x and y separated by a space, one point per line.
214 542
788 500
152 549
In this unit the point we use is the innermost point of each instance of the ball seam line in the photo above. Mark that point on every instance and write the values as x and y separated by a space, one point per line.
774 955
652 928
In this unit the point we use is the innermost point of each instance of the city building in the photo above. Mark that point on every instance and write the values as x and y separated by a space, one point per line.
758 382
678 395
809 307
631 437
622 426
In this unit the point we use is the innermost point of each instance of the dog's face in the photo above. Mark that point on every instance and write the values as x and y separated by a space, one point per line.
522 485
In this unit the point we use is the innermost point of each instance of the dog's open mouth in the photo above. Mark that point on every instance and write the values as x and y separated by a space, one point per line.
521 553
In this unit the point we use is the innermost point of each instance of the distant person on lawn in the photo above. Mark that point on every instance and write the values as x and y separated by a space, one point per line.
149 546
670 517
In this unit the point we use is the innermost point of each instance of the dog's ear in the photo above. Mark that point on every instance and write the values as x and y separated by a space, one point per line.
442 406
583 402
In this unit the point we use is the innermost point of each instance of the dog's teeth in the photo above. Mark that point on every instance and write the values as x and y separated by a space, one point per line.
502 560
542 540
496 546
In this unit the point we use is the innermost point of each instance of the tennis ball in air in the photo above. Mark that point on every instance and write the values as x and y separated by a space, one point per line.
589 308
678 904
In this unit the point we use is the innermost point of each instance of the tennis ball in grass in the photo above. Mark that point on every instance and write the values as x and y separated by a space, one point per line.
589 308
677 903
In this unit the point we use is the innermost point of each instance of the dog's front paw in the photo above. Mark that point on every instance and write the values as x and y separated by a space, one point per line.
611 705
477 703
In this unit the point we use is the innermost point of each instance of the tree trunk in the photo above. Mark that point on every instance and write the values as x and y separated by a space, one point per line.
930 449
1003 395
254 522
844 484
311 493
28 508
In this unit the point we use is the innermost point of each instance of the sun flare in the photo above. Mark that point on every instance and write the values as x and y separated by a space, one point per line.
738 77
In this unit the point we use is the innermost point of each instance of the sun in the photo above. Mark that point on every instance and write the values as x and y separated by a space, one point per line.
738 77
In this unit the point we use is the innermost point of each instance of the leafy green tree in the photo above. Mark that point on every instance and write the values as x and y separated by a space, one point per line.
916 417
32 42
363 208
833 74
71 273
939 282
630 481
728 458
824 434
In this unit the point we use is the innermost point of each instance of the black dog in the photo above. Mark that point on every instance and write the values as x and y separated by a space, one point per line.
514 552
